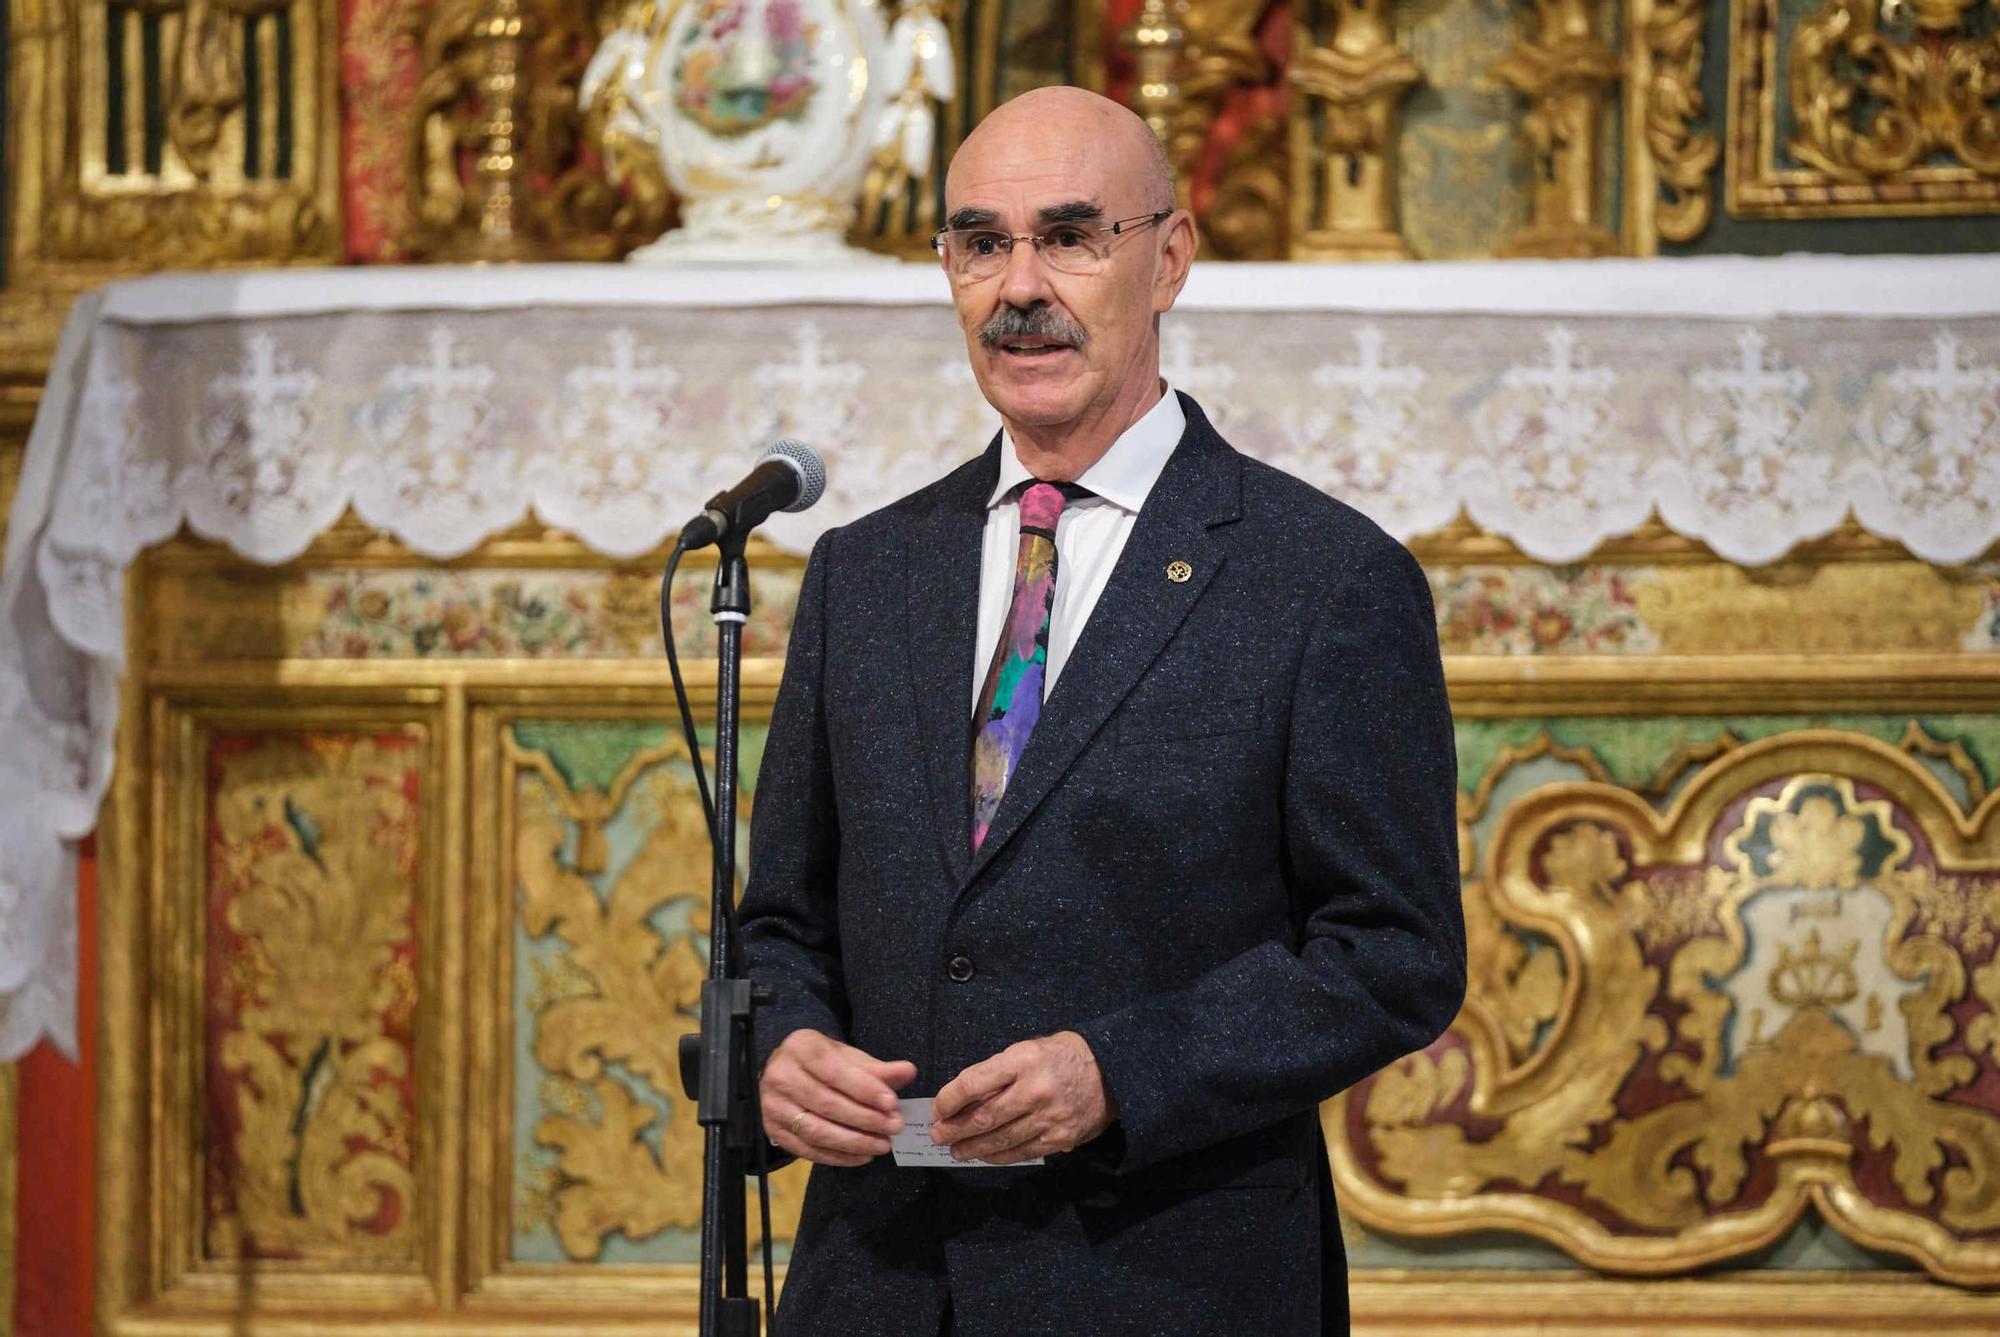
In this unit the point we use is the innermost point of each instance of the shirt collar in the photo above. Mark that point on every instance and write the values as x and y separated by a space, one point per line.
1125 473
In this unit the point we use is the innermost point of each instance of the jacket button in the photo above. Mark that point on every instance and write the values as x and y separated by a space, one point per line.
959 968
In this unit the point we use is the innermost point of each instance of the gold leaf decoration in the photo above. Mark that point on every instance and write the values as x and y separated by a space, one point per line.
1566 73
1409 1091
1818 843
1918 743
1682 156
1774 998
611 1003
312 864
1583 859
1864 108
1869 103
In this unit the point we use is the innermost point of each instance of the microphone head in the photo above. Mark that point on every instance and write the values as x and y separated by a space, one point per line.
805 461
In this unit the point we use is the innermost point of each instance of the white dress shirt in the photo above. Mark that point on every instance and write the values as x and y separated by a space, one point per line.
1090 534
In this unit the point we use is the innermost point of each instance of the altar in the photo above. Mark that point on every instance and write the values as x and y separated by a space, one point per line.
332 623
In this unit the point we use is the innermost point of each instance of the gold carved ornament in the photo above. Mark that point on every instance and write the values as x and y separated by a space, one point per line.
499 88
585 210
209 199
1345 207
1188 61
312 863
1761 1004
1680 158
1248 213
1866 103
470 102
1881 109
630 202
203 76
1566 73
617 994
1246 217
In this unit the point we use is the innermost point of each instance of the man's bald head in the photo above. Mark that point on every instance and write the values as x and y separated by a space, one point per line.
1129 150
1064 335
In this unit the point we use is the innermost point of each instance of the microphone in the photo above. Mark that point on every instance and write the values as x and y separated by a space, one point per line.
788 477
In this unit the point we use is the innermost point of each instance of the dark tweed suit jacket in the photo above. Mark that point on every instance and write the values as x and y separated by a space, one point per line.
1228 858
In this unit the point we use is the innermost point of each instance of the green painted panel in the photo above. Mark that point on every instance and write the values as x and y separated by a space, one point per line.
603 987
1633 749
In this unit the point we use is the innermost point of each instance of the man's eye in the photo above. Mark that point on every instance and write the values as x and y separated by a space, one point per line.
1065 238
983 243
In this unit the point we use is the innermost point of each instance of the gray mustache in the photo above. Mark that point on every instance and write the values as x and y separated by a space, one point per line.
1013 322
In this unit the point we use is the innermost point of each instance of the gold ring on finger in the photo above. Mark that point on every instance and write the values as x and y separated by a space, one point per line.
797 1119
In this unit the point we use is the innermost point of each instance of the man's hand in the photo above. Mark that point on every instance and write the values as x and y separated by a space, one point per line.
829 1102
1028 1100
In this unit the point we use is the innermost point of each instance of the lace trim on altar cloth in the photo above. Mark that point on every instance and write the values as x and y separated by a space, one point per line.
442 427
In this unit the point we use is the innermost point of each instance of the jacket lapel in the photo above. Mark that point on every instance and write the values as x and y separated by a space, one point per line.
942 569
1135 617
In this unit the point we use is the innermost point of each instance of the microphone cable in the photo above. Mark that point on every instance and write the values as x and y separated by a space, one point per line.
735 940
681 699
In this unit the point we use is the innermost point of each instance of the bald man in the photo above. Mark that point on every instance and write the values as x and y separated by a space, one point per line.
1108 800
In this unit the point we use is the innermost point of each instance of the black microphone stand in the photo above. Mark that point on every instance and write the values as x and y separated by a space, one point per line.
724 1084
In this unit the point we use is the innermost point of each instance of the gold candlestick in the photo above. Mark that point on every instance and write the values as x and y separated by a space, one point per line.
500 34
1158 42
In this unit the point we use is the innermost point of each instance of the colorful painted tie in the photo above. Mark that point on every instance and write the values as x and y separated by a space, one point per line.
1011 700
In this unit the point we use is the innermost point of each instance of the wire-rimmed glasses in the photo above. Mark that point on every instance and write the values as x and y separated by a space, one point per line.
975 253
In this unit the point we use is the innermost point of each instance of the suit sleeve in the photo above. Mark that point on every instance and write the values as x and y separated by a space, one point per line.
790 929
1371 860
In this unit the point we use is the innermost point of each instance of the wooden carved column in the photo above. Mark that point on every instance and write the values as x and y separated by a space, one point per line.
1344 139
1568 75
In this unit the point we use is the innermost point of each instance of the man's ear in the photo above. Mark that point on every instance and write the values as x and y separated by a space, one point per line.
1176 256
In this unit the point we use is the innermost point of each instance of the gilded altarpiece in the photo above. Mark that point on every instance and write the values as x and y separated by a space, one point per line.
1731 874
402 908
407 914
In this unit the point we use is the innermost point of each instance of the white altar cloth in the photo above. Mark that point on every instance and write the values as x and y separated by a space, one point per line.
1750 403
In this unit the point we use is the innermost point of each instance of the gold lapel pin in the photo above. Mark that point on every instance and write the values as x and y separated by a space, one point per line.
1179 572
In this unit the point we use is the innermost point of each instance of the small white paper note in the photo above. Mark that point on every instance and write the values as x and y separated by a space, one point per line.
913 1146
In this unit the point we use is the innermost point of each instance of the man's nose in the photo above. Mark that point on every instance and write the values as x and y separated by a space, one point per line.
1025 281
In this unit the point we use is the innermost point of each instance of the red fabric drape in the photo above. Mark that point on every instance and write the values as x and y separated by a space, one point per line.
55 1215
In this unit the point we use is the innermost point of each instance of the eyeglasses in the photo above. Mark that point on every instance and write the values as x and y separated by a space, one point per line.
974 253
